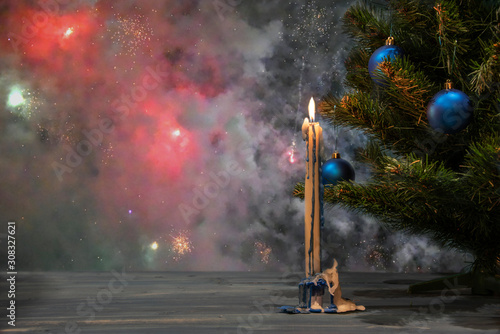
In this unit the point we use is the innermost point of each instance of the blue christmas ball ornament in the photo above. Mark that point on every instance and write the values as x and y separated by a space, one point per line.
337 169
390 51
450 110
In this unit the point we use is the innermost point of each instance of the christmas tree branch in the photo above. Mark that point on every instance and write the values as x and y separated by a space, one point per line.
408 89
446 186
421 198
486 73
357 75
364 25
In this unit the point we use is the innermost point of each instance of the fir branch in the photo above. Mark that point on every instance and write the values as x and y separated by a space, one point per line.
365 25
373 154
411 15
408 88
299 190
421 198
451 32
482 174
356 65
486 73
356 110
486 121
390 126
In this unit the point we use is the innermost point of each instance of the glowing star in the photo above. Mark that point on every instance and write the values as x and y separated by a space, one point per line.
154 246
68 32
15 98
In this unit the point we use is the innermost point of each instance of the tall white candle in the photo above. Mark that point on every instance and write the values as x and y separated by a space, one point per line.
313 134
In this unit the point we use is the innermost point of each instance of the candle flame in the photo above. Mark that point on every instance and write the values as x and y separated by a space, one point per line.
312 108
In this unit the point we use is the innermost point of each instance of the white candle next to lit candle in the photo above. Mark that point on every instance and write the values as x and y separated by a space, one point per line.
313 134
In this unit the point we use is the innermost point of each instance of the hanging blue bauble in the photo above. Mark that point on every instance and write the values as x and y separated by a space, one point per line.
336 169
390 51
450 110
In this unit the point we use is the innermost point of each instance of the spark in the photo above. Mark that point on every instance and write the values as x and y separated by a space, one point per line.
68 32
107 150
314 27
181 245
154 246
132 33
176 133
264 251
291 154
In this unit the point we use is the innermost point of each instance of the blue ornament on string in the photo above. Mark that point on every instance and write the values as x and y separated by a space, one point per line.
390 51
336 169
450 110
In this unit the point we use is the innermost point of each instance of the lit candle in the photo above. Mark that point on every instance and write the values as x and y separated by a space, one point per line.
312 133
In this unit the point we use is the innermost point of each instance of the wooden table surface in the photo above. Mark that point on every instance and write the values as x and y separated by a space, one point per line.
234 302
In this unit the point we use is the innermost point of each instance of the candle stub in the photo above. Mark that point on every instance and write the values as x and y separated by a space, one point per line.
305 128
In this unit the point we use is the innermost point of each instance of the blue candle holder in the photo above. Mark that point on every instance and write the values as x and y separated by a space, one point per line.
313 292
